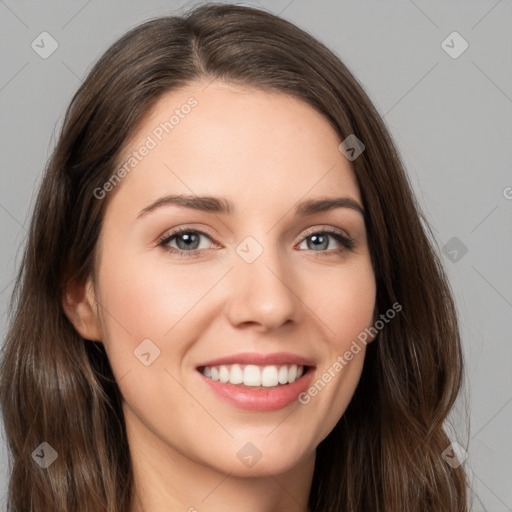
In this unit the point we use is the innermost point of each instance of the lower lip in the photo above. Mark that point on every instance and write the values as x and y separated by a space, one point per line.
261 399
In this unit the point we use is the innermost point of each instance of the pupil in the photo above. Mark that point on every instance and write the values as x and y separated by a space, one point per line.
187 237
322 242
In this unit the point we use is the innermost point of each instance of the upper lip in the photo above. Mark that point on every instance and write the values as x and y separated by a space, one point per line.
260 359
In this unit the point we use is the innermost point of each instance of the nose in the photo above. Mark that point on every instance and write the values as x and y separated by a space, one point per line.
263 293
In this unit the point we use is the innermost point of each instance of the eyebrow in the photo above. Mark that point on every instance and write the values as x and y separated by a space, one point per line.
211 204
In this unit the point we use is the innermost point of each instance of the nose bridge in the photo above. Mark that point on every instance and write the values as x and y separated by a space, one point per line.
261 283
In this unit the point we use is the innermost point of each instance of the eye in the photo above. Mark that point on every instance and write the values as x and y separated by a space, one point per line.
187 240
319 241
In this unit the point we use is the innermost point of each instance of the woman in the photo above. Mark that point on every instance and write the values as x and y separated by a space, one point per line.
227 296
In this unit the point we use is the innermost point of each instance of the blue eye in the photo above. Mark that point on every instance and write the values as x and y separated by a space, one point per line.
188 242
320 240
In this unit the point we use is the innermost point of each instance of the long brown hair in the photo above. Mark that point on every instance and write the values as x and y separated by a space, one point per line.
385 453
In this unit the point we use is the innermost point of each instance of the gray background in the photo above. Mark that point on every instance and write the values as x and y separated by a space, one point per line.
451 119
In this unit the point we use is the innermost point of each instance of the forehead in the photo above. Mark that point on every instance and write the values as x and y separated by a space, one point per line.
225 139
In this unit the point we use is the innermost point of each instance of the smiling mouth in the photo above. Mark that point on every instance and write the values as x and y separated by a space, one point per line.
255 376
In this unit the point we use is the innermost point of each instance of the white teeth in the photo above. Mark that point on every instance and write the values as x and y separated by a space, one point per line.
236 375
269 376
283 375
223 374
253 375
292 373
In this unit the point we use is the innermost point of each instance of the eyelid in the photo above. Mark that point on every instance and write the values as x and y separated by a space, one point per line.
322 228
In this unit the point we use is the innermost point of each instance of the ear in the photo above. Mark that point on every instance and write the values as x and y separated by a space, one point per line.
79 303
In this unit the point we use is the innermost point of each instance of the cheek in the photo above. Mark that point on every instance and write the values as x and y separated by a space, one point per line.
344 300
346 309
153 301
147 300
140 305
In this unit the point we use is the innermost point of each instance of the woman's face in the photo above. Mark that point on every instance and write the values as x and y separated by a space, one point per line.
259 280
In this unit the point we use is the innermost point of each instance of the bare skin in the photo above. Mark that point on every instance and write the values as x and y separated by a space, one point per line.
264 152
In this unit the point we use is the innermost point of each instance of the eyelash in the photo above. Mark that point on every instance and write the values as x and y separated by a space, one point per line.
347 244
